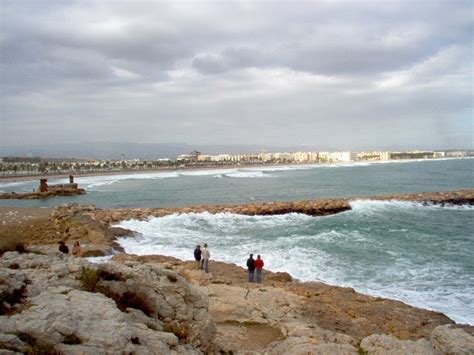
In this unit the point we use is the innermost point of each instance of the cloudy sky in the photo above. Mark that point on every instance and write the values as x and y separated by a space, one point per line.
350 74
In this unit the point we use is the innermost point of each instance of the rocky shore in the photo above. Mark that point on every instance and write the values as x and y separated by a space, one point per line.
52 303
320 207
36 195
55 303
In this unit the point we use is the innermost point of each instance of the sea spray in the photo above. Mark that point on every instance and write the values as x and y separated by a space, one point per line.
400 250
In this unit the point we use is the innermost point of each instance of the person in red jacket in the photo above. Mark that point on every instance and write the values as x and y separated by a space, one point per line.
258 268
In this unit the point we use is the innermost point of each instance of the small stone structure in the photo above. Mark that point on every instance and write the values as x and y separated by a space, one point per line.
46 190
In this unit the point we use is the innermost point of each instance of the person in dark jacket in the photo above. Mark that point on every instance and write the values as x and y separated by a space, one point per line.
63 247
197 256
259 266
251 267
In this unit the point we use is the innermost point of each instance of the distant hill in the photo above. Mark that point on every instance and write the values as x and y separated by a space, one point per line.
98 150
106 150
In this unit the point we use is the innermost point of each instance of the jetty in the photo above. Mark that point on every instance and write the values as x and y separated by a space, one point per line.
317 207
45 191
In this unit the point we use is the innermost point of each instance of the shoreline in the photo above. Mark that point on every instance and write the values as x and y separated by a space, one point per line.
281 309
20 178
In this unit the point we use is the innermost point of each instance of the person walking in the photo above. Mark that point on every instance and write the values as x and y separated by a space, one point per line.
258 268
205 258
251 267
197 256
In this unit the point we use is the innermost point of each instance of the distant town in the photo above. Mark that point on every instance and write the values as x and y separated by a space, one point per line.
25 166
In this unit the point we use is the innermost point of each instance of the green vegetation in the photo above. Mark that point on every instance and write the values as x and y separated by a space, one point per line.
36 346
89 279
182 331
11 243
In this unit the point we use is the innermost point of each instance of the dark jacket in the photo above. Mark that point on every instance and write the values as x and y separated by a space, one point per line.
251 264
63 248
197 254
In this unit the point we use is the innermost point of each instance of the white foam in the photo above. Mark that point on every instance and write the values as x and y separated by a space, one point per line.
375 206
99 259
248 174
294 243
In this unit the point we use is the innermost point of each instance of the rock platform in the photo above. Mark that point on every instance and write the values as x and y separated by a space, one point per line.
320 207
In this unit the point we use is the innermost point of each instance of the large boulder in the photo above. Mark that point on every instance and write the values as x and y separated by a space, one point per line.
78 307
381 344
450 340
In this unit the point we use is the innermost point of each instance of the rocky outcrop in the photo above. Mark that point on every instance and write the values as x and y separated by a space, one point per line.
321 207
158 305
281 316
68 305
449 340
36 195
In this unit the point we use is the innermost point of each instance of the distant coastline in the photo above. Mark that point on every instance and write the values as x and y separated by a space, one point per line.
18 178
132 172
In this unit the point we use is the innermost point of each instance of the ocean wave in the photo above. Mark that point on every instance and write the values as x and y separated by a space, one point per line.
8 185
314 249
376 206
248 174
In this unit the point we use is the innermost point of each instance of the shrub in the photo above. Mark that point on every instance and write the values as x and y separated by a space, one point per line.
9 299
36 346
182 331
110 276
89 279
11 243
71 339
126 298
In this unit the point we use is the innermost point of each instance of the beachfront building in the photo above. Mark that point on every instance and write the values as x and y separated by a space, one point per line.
335 157
301 157
456 154
376 155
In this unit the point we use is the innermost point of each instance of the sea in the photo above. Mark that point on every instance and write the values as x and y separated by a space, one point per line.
421 255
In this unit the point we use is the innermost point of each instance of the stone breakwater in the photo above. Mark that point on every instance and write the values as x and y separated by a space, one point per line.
41 195
321 207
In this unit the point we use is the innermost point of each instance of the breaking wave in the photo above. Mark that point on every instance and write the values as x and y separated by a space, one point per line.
355 249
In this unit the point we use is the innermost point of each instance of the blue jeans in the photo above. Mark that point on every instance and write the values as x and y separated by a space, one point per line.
205 264
259 275
251 276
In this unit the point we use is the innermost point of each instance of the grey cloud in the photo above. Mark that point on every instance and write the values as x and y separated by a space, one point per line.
237 71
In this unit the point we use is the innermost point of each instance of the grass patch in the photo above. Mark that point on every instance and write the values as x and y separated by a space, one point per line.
12 243
89 279
35 346
182 331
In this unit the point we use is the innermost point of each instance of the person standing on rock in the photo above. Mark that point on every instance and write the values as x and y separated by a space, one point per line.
76 249
258 268
205 258
251 267
63 247
197 256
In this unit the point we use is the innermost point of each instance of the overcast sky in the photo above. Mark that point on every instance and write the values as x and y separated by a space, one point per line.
350 74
